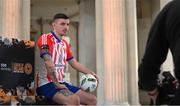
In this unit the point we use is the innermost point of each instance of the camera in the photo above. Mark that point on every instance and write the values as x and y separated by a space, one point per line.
167 87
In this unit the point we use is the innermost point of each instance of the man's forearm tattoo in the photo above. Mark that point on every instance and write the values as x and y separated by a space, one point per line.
50 68
52 75
46 57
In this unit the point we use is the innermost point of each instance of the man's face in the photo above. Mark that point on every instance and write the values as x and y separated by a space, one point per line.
61 26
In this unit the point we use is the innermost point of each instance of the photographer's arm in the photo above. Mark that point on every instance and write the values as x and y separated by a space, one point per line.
155 54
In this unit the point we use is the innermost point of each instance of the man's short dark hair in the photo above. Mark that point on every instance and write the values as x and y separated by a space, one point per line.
60 15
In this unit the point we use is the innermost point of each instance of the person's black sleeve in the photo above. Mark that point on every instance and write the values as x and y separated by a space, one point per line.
155 53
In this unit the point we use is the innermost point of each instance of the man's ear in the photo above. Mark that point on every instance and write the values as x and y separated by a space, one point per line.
53 24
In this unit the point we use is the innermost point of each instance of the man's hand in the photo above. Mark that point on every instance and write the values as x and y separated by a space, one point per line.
153 95
95 76
60 86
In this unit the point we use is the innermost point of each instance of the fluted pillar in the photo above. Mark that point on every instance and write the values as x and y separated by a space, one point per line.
111 51
132 52
11 12
87 44
25 22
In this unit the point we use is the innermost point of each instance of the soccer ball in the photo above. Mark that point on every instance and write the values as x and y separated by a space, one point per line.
88 82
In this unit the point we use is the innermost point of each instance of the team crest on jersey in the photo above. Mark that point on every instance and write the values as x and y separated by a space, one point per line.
70 51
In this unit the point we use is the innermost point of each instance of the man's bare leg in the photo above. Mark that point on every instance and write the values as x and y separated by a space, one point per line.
67 100
86 98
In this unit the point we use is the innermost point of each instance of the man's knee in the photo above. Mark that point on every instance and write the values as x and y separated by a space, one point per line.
67 100
74 100
93 100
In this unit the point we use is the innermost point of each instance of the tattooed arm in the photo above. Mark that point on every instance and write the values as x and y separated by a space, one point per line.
50 68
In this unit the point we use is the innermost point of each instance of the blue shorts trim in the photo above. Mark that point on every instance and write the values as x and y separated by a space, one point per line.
49 90
71 87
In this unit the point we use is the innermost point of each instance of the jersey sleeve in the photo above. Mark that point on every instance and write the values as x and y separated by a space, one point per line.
44 45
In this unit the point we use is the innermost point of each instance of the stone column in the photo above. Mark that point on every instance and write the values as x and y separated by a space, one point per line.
111 51
11 12
25 22
132 52
87 37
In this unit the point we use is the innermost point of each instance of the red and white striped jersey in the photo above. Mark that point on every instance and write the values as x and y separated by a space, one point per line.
60 52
